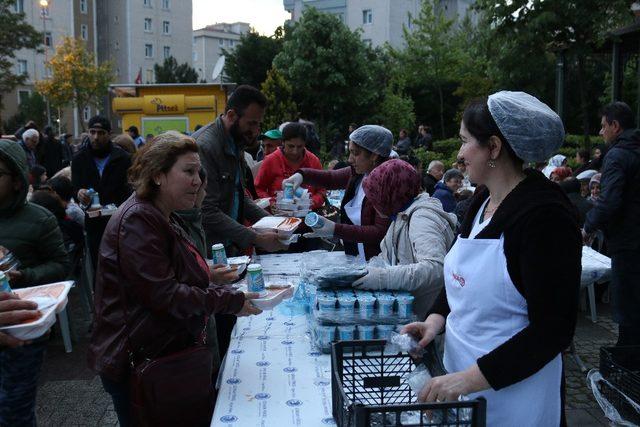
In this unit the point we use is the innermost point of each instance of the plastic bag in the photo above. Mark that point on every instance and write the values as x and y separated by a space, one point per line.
593 378
398 343
316 270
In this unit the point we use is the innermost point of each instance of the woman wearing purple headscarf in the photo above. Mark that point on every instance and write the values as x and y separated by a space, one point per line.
417 240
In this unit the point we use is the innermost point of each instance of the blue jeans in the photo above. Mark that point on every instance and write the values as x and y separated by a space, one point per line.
19 372
625 295
121 403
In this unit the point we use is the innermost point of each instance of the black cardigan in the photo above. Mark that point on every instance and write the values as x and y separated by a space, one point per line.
543 248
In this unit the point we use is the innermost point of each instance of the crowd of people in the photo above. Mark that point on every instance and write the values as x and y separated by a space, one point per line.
468 240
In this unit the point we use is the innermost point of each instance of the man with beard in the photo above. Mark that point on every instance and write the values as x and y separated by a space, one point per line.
226 207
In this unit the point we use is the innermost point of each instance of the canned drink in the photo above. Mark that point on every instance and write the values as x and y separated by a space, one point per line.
4 283
314 220
218 254
288 191
255 279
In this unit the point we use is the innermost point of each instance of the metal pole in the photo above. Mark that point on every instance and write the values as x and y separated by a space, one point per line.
560 60
45 8
615 73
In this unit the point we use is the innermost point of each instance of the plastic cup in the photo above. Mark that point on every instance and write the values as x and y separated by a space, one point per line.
314 220
384 331
405 305
346 332
385 305
366 332
347 305
326 303
367 304
326 334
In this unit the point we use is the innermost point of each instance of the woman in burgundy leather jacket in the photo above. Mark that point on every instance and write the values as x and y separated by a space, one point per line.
152 285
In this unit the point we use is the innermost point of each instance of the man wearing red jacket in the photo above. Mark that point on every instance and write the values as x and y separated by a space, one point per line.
285 161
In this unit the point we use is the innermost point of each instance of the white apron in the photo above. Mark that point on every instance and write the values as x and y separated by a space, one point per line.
487 310
353 209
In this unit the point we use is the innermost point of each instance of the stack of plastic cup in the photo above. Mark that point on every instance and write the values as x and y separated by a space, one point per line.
366 332
346 332
347 304
326 302
405 305
326 334
366 302
383 331
385 305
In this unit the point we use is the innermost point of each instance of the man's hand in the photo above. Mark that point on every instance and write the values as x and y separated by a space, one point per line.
221 274
248 309
269 241
14 276
12 311
83 197
296 179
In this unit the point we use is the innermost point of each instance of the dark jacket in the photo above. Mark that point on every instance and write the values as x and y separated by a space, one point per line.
373 227
51 155
113 185
543 248
28 230
571 187
223 164
617 210
429 183
149 278
446 197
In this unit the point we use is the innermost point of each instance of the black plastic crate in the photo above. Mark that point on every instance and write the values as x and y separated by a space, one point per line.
622 405
621 367
367 389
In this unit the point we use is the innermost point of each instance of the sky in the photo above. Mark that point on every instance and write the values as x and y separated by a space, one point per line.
263 15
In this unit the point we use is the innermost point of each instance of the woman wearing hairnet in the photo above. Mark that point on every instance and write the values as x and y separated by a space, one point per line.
361 228
510 299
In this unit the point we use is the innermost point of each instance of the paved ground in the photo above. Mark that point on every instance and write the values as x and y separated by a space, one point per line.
70 394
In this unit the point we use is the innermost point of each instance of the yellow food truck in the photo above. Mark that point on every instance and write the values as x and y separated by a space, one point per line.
157 108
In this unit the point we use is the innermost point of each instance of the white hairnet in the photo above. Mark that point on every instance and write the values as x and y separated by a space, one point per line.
531 128
374 138
554 162
586 175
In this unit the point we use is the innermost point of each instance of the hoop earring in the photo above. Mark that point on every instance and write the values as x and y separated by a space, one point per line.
492 163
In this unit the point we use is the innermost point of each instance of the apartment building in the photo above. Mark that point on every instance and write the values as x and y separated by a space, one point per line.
208 43
57 19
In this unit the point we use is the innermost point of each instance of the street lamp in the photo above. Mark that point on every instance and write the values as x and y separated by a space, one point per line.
44 6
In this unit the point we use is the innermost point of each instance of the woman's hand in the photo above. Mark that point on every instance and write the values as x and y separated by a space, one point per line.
326 230
222 274
248 309
14 310
450 387
425 331
296 179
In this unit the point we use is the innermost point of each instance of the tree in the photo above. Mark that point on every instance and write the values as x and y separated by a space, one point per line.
330 70
251 60
15 34
396 109
171 72
75 80
570 26
431 55
281 106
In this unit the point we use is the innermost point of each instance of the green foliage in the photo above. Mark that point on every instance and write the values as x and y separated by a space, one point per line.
396 111
252 59
171 72
445 150
281 106
330 70
15 34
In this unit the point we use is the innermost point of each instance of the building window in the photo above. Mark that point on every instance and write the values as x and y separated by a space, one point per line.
84 32
22 67
117 72
116 45
23 96
165 4
116 19
195 55
220 42
147 3
148 51
19 6
367 42
86 114
367 16
149 76
48 72
83 6
167 52
48 39
147 25
166 27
